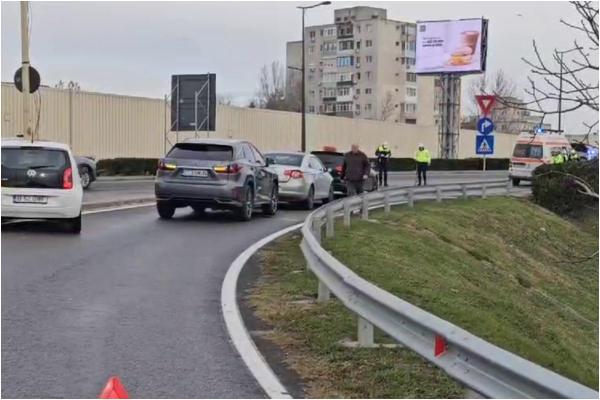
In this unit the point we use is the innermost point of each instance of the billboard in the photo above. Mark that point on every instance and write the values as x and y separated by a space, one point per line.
194 101
445 47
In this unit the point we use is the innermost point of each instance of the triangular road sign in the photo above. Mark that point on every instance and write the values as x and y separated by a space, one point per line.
484 147
486 102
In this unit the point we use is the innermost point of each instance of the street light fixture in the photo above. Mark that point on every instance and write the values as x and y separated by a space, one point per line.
303 69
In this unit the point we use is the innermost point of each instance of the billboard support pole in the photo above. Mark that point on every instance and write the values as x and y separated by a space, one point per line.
449 108
208 105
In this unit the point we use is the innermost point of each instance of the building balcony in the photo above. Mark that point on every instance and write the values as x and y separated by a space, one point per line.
349 82
329 98
344 98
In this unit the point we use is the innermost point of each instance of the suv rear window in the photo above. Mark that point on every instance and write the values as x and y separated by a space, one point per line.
201 151
48 166
528 150
330 160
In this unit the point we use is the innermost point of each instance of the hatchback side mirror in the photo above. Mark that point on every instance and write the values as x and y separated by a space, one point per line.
270 161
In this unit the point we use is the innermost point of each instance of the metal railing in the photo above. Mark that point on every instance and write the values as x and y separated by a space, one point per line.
479 365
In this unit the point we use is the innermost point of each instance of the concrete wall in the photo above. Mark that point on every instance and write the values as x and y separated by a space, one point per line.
107 126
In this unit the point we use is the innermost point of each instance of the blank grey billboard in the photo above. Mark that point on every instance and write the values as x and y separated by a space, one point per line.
193 101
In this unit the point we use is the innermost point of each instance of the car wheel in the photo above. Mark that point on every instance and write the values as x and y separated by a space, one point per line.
165 210
74 225
309 203
329 197
516 181
271 207
244 213
86 177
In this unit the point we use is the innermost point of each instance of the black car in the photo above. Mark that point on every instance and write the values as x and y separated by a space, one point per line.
334 162
216 174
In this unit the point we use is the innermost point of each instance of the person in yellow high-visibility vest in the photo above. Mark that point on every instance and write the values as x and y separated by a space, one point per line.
423 159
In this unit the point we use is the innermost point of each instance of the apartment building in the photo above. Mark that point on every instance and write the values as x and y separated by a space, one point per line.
362 65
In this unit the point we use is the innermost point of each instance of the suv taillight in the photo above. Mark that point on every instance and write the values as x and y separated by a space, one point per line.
293 173
163 166
68 178
228 169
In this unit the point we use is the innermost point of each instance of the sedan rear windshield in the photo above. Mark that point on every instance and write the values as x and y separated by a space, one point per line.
294 160
528 151
35 167
201 151
331 160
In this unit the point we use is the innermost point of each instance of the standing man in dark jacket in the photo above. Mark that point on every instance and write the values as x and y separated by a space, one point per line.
355 170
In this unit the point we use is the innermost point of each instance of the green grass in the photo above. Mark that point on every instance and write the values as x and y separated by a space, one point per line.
309 333
502 268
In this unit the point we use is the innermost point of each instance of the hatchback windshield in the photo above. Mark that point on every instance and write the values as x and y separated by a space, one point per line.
201 151
528 150
330 160
33 167
294 160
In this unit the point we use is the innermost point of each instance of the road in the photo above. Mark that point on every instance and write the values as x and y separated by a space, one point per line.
132 296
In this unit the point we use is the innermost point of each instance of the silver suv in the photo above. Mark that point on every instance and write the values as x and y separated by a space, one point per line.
216 174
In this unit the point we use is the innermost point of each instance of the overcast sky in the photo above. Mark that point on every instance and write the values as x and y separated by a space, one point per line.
134 47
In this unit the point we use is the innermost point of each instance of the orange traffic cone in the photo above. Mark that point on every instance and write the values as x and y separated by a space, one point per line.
114 389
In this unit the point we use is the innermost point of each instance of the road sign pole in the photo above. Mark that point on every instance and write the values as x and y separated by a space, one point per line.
25 69
484 156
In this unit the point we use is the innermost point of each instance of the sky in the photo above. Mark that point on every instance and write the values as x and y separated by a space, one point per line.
133 48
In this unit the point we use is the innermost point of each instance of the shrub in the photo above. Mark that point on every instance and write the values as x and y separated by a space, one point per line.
127 166
554 186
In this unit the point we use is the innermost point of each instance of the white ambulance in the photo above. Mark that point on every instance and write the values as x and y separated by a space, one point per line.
532 150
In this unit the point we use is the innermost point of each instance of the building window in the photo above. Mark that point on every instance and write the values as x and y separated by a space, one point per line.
412 29
358 44
357 90
344 77
343 91
369 28
403 45
368 107
397 27
411 77
311 109
312 35
368 43
412 45
369 59
358 76
346 45
357 60
311 49
403 29
403 59
368 91
411 121
368 74
412 92
410 108
344 61
410 61
343 107
358 28
357 107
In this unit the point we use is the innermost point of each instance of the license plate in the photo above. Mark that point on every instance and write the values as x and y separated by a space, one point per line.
30 199
196 173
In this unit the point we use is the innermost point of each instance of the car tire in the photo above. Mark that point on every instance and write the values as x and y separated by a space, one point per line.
165 210
244 213
516 181
309 203
271 207
74 225
330 196
86 177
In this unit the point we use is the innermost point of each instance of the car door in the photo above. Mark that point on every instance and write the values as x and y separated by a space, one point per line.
264 182
321 181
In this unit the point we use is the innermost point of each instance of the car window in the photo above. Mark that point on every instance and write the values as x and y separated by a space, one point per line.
257 155
248 155
37 167
314 163
294 160
528 151
201 151
331 160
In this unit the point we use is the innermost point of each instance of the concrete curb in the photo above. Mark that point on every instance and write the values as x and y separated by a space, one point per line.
125 178
236 328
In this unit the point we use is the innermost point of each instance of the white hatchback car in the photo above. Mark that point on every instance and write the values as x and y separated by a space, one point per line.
40 180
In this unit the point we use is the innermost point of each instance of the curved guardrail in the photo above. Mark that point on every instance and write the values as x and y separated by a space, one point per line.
479 365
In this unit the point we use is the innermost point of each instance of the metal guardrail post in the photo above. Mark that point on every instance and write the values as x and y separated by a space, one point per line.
438 194
463 189
329 228
411 200
323 293
508 186
317 230
483 192
365 207
387 207
365 333
346 213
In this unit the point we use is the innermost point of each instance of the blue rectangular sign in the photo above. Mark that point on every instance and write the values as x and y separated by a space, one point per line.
484 144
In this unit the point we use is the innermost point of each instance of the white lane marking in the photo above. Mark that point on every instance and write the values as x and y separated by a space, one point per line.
238 333
124 207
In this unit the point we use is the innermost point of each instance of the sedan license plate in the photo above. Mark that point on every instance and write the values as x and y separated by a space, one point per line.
30 199
196 173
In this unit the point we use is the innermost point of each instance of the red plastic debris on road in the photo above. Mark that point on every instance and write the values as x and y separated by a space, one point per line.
114 389
440 346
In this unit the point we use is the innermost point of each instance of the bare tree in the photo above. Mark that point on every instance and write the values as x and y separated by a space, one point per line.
571 75
225 100
272 94
71 85
499 84
387 106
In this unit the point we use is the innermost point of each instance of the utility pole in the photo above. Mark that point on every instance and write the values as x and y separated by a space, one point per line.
560 94
27 130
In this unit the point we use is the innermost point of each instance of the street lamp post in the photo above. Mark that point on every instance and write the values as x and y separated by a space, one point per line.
304 8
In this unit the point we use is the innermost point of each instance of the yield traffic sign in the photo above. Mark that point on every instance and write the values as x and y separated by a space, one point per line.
486 102
485 126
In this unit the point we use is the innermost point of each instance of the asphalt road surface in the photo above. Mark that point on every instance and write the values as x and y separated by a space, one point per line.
132 296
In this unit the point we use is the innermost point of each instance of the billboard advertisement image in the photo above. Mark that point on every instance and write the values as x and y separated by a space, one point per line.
451 46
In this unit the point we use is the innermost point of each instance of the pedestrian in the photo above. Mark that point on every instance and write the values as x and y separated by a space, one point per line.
383 154
423 159
355 170
557 157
